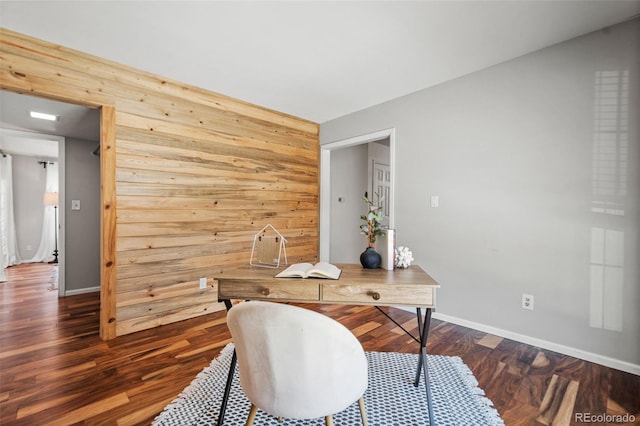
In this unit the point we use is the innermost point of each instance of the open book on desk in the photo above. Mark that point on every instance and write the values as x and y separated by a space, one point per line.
307 270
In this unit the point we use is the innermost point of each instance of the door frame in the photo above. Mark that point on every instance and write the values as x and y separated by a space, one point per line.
108 320
325 181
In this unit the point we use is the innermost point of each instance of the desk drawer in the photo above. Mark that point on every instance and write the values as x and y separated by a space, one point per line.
381 295
296 289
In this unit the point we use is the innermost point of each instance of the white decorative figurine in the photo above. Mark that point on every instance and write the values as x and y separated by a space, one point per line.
404 257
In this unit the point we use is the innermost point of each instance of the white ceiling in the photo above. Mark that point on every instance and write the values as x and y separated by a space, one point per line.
74 120
32 144
22 135
317 60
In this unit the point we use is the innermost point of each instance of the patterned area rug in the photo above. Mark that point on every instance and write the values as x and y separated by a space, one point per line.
391 398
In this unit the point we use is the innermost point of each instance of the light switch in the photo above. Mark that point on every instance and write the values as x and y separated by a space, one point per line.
435 201
75 204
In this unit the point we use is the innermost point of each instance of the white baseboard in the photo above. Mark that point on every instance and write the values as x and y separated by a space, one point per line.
566 350
82 291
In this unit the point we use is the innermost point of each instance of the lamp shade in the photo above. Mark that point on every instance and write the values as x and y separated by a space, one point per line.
50 199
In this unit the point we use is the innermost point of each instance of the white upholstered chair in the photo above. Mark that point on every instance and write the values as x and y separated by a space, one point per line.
296 363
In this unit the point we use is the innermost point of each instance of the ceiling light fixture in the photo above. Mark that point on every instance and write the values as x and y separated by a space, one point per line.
43 116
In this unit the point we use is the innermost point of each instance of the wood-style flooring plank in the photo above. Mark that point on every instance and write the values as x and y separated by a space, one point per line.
54 369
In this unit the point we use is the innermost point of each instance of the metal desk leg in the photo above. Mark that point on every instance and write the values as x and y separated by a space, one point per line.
423 329
423 332
232 369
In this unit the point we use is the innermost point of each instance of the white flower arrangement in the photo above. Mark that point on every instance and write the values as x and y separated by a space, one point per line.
404 257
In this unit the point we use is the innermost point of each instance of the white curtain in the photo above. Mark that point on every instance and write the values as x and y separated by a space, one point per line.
9 254
49 228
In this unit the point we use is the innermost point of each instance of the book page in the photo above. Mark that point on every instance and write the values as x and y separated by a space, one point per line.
325 270
296 270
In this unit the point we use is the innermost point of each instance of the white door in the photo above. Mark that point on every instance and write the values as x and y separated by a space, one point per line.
382 188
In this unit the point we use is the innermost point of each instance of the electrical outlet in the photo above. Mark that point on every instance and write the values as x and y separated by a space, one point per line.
527 301
203 282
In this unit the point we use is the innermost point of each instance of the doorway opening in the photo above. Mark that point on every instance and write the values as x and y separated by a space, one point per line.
73 135
329 202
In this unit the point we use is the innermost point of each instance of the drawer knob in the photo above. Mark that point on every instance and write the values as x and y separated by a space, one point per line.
375 295
264 291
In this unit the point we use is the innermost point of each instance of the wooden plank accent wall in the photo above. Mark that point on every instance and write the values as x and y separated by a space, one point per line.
188 177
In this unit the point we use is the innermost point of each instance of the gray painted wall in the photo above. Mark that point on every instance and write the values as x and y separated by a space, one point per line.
82 234
349 182
82 227
29 179
536 165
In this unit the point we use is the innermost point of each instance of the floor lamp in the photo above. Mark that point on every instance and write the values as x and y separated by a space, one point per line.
51 199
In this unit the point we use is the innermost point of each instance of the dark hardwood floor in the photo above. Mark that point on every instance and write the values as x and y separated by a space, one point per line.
55 369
